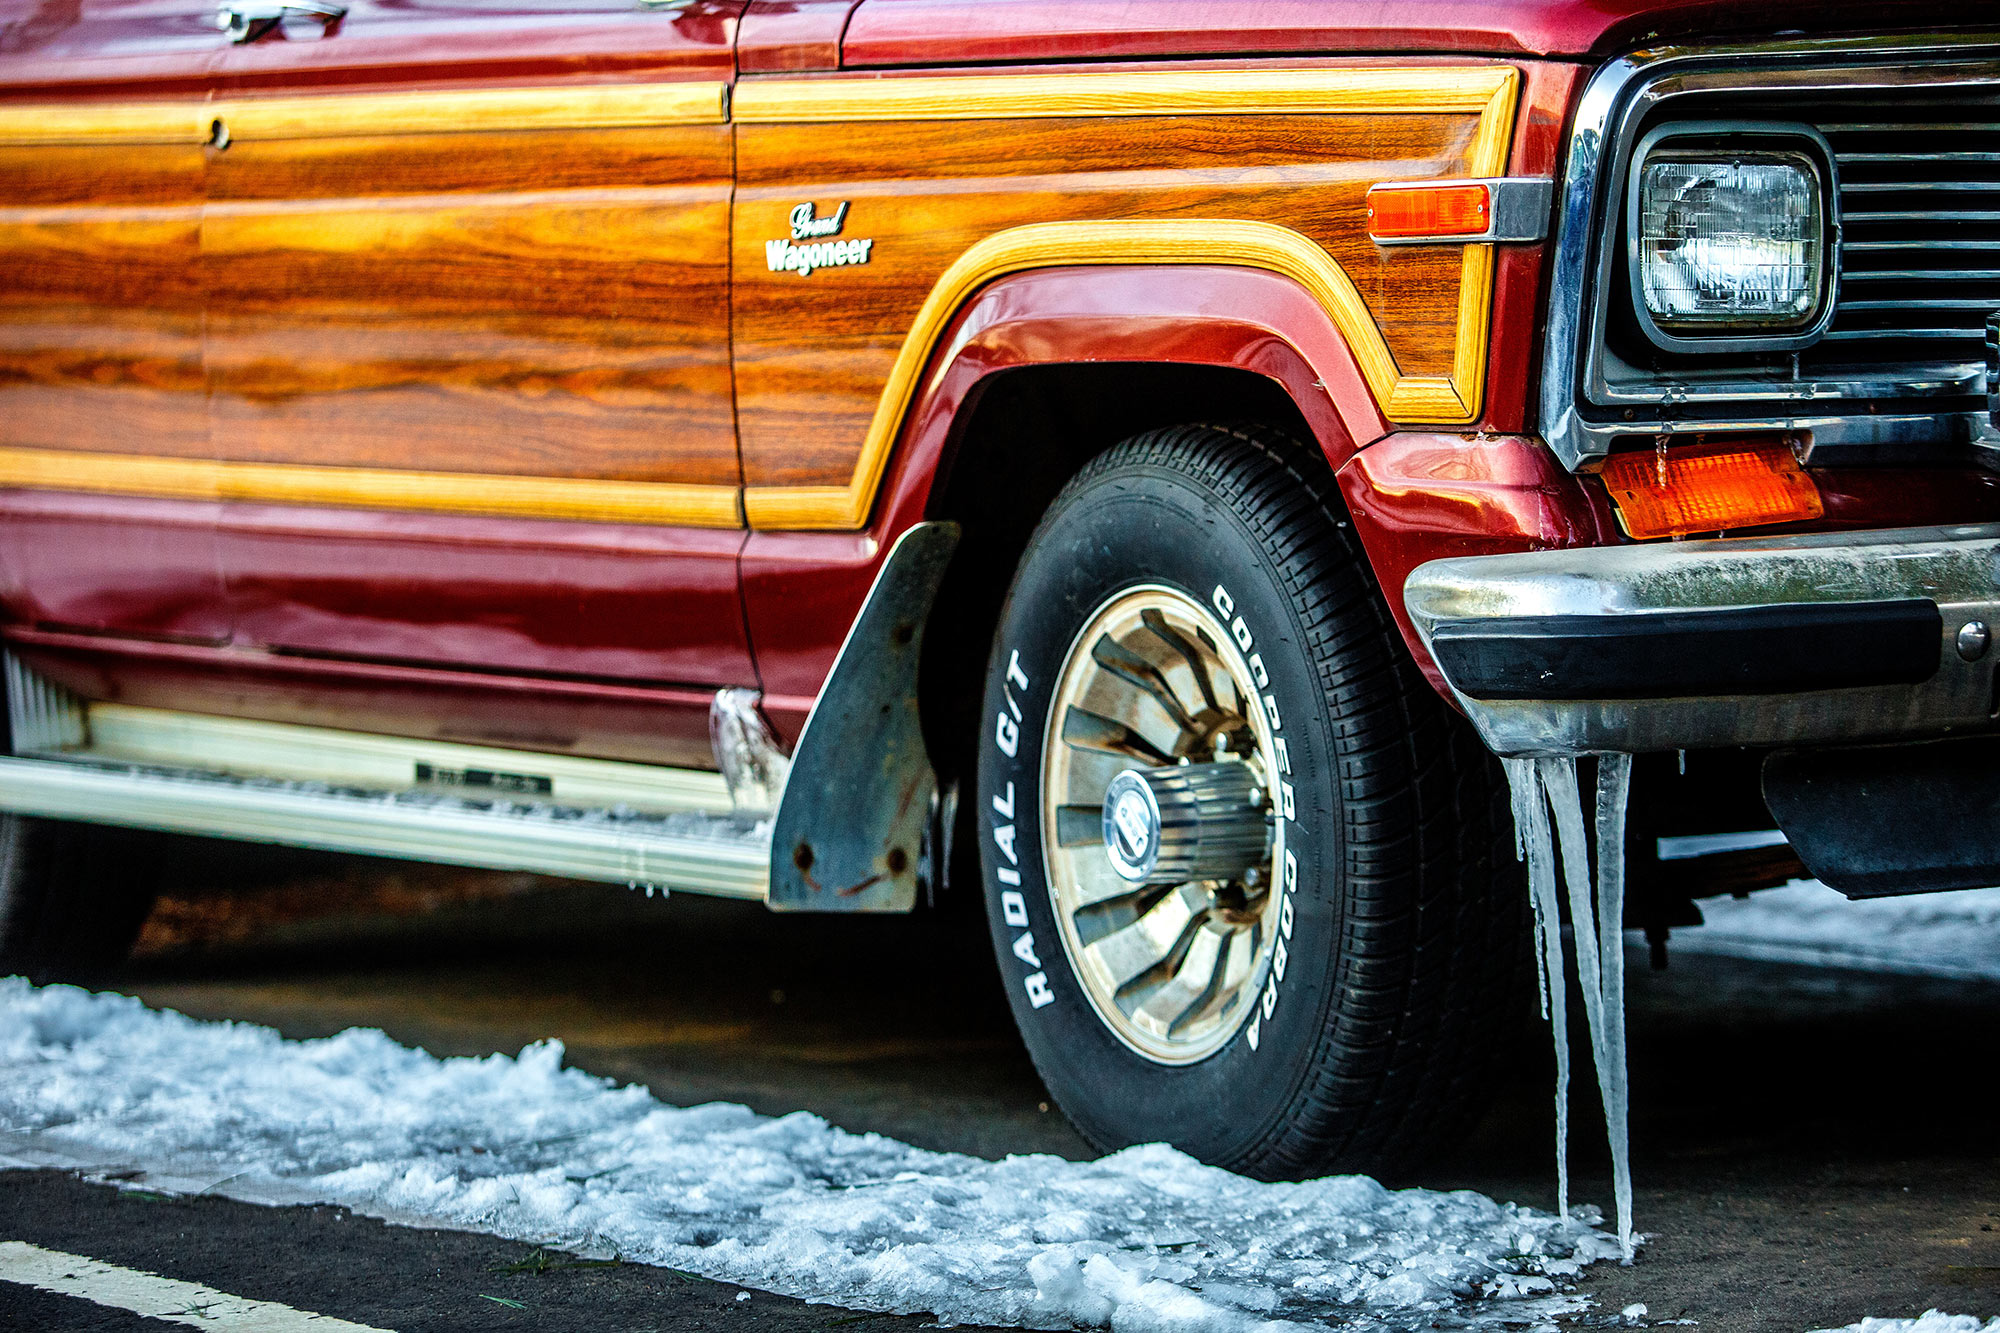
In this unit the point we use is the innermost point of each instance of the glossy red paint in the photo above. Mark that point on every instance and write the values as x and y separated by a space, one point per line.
802 590
954 32
123 48
435 42
596 718
134 566
1418 497
1867 497
1515 341
625 602
776 36
128 48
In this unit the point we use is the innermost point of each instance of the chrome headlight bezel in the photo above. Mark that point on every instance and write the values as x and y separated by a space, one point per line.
1796 145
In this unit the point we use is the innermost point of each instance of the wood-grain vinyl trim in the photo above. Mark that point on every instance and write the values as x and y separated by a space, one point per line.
1051 244
1489 90
579 499
334 115
1153 93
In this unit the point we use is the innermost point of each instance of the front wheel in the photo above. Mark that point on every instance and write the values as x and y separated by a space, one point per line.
1249 880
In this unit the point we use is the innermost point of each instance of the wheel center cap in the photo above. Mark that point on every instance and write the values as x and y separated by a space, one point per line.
1194 821
1131 826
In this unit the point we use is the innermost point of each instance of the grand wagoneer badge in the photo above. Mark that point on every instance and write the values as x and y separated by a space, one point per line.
787 255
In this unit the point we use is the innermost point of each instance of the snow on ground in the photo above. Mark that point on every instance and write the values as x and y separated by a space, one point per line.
1931 1321
1954 934
518 1146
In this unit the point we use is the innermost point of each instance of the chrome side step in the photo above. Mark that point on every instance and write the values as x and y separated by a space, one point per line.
347 791
109 733
712 854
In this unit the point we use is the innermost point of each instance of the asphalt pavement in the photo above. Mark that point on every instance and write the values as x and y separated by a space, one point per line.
1809 1146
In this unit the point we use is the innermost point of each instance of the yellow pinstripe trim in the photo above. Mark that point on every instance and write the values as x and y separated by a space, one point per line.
333 115
1089 93
369 488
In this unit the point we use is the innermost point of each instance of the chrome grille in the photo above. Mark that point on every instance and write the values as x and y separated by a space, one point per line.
1913 122
1920 252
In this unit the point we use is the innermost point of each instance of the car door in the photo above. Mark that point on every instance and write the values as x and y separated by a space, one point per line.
101 128
466 265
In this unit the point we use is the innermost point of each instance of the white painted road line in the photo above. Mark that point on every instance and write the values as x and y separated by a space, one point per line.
157 1297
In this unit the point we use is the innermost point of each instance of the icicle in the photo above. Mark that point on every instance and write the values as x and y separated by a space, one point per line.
1598 946
1541 787
1531 812
1614 789
1524 790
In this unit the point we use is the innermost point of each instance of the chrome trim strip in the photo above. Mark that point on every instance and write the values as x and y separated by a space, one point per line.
288 752
40 715
725 858
1613 104
1953 567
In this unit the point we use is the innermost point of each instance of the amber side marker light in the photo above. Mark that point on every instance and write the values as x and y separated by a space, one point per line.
1462 209
1677 492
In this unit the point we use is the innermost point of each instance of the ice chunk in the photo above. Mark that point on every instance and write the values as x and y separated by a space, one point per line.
520 1146
752 764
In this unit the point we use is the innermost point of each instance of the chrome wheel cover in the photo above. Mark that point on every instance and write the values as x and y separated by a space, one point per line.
1154 679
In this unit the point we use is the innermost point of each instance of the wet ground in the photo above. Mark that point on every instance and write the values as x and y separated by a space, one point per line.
1809 1146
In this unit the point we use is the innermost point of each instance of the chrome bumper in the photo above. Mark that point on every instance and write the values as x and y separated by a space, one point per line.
1737 641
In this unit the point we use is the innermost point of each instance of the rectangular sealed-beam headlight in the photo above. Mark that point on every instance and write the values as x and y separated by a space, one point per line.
1728 237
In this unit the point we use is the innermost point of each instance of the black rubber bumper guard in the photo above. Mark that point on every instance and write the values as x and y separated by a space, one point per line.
1688 654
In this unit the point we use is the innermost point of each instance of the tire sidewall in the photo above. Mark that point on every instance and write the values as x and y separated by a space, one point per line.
1124 526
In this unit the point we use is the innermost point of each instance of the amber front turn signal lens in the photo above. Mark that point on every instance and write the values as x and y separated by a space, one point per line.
1395 212
1674 492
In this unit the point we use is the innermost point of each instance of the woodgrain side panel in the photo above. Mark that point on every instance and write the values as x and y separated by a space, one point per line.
815 354
540 306
100 303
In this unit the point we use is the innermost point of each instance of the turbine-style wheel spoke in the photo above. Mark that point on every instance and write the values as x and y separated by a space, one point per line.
1142 675
1079 825
1089 731
1096 883
1177 979
1197 663
1131 951
1192 984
